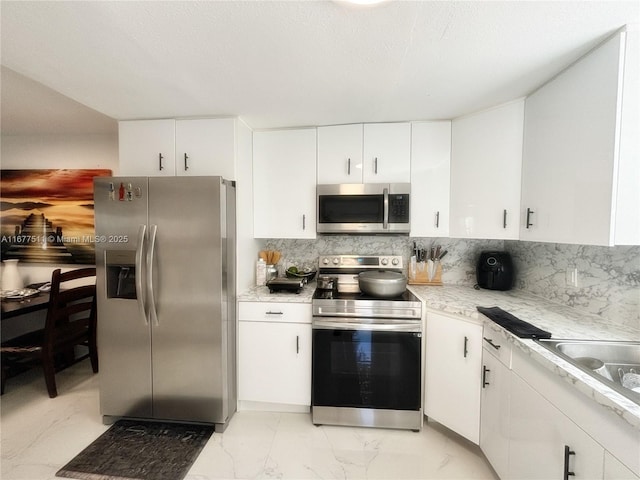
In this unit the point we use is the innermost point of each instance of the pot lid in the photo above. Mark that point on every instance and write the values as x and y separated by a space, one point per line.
382 276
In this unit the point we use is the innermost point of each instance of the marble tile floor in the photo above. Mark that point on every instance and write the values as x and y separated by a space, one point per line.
39 435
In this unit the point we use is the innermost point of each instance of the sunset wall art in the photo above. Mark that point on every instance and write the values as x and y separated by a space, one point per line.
47 216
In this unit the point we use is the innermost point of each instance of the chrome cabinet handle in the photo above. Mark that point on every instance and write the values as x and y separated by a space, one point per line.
490 342
348 166
160 157
437 219
504 218
186 164
297 343
375 165
274 313
466 343
304 222
567 453
529 213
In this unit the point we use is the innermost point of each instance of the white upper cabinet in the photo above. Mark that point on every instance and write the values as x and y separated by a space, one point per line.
340 154
284 183
387 153
147 148
581 159
178 147
205 147
486 162
430 177
369 153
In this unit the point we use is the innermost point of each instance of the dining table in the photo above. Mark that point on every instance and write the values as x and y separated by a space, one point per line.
16 307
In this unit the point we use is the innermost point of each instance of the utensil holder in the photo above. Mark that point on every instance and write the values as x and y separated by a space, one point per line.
420 274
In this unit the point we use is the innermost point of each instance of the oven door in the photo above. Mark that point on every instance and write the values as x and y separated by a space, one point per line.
367 366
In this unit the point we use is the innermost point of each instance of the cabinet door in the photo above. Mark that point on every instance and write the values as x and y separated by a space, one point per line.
274 363
147 148
453 374
430 177
540 435
486 161
284 183
387 153
570 152
494 417
206 147
615 470
340 154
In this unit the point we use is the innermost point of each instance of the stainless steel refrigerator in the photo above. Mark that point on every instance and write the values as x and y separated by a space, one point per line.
165 258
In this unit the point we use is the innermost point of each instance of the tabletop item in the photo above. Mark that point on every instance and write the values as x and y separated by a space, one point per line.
382 283
19 294
271 257
280 284
11 279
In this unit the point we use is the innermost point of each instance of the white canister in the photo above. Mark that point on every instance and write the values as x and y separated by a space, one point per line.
11 279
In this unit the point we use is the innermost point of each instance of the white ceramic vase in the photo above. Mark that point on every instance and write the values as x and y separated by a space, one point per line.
11 279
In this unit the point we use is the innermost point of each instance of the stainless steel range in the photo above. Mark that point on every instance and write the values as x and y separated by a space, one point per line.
366 350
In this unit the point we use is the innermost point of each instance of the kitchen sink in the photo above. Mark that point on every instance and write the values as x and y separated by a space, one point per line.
616 364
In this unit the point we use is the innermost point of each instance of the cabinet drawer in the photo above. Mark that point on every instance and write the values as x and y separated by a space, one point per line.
274 312
495 341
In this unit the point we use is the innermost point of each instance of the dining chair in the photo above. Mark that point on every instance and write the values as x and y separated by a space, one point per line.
71 321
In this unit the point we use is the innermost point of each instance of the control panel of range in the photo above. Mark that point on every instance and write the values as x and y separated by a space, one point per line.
360 262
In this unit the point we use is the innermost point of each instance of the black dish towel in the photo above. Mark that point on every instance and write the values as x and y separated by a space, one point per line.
516 326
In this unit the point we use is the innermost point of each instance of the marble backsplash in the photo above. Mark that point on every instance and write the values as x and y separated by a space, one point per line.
458 266
608 277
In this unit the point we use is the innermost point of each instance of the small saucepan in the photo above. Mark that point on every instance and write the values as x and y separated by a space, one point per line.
326 282
382 283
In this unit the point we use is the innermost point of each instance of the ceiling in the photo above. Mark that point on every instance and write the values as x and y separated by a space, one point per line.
288 63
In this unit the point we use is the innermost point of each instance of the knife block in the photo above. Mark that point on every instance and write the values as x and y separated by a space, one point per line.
419 275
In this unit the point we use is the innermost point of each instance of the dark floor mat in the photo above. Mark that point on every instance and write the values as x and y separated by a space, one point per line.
137 450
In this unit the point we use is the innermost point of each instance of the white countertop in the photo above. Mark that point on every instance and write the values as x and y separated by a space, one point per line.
261 294
562 321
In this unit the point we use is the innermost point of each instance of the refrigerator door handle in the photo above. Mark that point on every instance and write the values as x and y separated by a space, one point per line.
140 292
150 258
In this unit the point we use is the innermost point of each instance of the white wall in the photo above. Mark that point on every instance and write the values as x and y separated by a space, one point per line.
247 246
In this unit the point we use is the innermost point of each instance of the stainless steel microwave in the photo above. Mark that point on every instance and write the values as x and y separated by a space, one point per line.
364 208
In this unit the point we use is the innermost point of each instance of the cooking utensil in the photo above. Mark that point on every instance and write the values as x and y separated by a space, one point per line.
382 284
327 283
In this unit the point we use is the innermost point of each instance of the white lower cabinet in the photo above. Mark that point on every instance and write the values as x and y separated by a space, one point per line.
544 443
494 412
615 470
274 354
452 373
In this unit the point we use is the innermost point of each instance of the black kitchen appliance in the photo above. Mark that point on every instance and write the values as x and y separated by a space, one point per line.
495 271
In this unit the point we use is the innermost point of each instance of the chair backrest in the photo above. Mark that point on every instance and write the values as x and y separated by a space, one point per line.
70 310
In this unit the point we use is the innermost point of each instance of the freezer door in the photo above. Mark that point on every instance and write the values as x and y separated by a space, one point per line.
124 332
186 244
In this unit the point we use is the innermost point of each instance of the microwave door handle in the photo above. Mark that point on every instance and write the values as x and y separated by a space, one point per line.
385 220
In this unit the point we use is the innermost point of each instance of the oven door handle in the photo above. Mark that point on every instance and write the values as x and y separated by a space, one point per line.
411 327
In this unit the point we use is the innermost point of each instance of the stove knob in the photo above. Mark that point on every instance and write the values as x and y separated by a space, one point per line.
384 261
395 261
336 261
325 261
